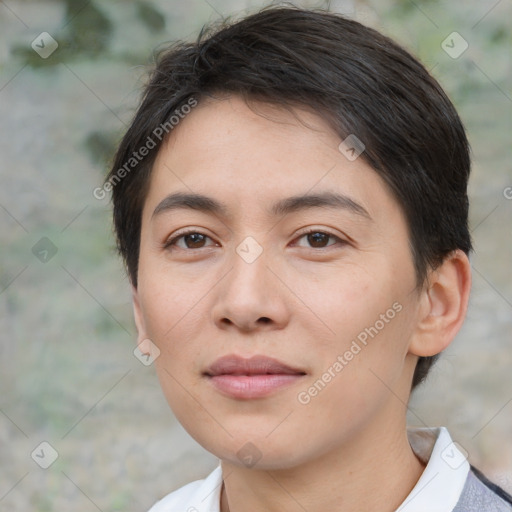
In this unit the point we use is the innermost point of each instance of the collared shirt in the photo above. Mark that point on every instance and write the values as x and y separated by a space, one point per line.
446 481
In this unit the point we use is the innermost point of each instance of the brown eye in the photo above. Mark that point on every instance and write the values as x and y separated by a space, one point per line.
191 240
319 239
194 240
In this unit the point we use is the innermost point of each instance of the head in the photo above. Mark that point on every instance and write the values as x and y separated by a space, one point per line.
287 103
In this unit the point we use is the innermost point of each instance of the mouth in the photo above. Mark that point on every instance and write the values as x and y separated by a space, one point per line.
256 377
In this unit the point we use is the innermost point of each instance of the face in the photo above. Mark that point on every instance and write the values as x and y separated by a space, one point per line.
282 322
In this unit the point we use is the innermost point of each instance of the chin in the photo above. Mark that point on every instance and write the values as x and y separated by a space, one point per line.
255 451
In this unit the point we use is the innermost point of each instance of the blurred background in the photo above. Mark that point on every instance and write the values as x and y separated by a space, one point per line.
71 72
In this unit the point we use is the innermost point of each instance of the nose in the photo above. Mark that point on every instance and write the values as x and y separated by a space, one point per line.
251 297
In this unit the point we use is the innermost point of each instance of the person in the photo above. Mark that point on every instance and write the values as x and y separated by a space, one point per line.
290 201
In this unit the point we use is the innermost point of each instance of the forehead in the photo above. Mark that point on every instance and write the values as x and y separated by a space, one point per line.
255 157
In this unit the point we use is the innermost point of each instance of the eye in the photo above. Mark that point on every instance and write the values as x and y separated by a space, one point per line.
192 240
319 239
196 240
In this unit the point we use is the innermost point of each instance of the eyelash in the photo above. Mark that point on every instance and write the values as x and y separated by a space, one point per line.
172 241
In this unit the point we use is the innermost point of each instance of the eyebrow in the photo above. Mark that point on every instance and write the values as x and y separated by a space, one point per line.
180 200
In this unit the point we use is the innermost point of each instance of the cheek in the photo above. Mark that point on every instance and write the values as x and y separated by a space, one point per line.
174 322
354 381
369 331
349 302
171 303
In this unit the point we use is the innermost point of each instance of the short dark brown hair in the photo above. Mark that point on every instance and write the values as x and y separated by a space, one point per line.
357 79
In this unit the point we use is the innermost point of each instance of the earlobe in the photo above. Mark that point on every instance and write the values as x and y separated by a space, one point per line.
444 306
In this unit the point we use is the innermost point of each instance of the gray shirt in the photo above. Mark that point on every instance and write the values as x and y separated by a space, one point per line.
481 495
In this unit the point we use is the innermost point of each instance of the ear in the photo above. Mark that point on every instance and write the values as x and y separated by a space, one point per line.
443 305
143 341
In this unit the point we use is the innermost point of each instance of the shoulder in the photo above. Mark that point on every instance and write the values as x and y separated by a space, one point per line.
199 496
480 494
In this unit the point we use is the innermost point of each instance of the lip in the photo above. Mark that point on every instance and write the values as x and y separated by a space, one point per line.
254 377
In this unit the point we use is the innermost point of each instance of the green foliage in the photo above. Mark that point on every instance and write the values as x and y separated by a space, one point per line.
88 30
100 145
86 33
150 16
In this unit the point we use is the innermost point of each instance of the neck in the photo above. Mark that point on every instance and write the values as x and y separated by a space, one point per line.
376 470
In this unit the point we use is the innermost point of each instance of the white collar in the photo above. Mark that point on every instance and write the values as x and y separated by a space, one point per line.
437 490
441 483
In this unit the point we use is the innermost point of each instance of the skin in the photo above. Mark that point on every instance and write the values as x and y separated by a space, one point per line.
301 302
